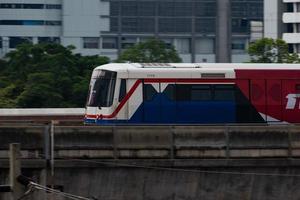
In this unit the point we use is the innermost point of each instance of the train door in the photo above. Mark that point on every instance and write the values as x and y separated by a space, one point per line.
274 101
291 100
242 97
168 103
151 103
135 101
258 99
190 104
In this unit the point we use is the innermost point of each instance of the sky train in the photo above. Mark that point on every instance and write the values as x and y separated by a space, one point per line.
194 93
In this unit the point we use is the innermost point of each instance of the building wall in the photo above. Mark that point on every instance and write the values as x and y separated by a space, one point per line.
291 19
33 20
106 27
282 20
272 18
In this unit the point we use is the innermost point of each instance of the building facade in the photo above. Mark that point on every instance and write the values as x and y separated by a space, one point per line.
200 30
291 18
282 20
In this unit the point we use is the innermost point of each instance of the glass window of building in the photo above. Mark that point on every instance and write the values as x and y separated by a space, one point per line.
289 7
145 39
139 25
146 8
168 42
53 6
127 42
183 45
15 41
175 25
21 6
114 8
205 9
109 42
146 25
49 40
33 22
166 9
129 8
113 24
11 22
178 9
30 22
22 22
204 46
33 6
1 42
183 9
91 42
129 24
53 23
243 12
289 28
205 25
240 25
239 45
291 48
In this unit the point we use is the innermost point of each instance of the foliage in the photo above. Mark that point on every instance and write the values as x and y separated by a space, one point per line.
268 50
45 75
152 50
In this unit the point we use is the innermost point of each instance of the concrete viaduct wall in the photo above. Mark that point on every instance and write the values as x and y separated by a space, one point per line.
161 163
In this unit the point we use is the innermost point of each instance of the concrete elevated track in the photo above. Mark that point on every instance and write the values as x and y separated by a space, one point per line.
157 162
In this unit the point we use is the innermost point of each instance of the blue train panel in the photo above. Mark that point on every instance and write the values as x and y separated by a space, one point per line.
163 111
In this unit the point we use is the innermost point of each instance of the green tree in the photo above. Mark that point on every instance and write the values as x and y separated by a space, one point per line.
40 91
152 50
268 50
45 75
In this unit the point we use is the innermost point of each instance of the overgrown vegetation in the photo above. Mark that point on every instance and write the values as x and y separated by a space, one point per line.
150 51
45 75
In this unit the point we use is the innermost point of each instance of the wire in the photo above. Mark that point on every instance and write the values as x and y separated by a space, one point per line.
64 194
188 170
179 169
30 190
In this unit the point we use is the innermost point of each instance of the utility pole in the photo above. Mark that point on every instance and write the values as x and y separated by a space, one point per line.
15 171
223 34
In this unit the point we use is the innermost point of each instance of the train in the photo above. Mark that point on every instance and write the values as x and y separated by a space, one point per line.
193 93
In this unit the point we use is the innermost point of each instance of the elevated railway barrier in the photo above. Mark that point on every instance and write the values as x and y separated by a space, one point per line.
157 162
155 142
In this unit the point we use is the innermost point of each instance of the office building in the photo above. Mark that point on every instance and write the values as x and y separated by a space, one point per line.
200 30
282 20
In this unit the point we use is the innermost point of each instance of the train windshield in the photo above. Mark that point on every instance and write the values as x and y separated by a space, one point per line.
102 89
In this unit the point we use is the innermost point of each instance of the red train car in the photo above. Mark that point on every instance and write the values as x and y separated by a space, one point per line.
194 93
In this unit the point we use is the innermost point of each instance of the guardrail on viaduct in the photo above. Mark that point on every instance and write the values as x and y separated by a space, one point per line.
168 163
158 142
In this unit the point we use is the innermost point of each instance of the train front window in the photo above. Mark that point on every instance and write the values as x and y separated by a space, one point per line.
102 89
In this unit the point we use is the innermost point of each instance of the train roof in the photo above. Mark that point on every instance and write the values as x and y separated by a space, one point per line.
188 70
199 66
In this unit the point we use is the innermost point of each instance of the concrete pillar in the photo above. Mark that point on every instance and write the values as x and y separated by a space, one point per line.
273 10
15 170
223 33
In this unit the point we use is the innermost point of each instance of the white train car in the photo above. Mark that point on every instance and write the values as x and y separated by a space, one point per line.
186 93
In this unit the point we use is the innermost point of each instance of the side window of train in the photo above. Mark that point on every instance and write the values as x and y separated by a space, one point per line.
122 90
149 92
298 88
187 92
183 92
224 92
170 92
201 92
